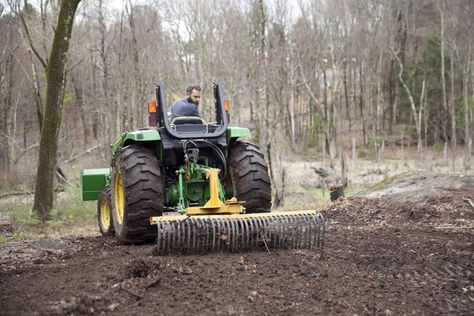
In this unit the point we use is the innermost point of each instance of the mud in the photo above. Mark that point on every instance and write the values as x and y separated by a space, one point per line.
382 256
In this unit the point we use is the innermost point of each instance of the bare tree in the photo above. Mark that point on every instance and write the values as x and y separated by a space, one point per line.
43 201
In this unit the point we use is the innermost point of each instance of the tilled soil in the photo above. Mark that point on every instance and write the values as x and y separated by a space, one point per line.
381 257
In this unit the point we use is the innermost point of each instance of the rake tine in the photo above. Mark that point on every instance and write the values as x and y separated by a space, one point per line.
165 237
233 234
310 233
188 240
213 235
192 235
299 239
265 231
159 238
178 238
286 236
257 231
245 236
196 237
228 224
228 231
219 233
279 231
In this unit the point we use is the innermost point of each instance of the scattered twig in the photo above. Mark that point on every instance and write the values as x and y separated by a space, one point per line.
16 193
154 282
62 177
265 242
454 227
185 219
139 296
470 202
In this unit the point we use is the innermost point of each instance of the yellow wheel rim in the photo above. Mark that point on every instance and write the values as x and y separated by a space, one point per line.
119 198
105 214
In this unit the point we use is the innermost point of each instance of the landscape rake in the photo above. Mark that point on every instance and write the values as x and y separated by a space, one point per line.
239 232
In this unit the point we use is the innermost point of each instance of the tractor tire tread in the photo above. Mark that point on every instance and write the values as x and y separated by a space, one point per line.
143 194
249 176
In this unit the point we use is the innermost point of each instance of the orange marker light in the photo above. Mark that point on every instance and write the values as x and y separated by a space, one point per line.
227 104
152 106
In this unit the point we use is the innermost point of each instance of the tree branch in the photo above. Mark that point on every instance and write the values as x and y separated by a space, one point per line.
88 151
30 41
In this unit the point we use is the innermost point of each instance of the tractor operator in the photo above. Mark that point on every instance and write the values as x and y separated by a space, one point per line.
187 106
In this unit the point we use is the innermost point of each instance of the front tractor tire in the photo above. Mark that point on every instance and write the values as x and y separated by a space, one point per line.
104 213
249 177
137 194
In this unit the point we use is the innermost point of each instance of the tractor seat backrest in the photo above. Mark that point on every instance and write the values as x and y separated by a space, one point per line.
180 120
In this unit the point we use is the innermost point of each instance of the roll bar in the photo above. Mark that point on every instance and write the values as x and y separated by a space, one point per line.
221 117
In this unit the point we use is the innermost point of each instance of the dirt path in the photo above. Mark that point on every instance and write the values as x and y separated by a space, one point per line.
382 257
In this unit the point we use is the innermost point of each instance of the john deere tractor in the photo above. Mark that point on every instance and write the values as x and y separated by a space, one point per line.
215 186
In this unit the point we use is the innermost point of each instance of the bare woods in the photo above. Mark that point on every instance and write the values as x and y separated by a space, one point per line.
301 74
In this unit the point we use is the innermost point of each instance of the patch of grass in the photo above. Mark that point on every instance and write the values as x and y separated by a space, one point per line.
300 198
19 235
69 211
320 194
3 240
18 213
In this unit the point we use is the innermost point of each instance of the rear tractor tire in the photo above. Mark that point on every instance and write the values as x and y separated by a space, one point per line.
104 213
137 194
249 177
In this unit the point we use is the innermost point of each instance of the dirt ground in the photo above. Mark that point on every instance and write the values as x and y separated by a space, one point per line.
386 254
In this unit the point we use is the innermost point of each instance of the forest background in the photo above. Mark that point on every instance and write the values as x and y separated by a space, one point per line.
317 80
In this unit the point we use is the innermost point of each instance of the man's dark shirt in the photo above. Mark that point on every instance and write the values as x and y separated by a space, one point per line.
183 107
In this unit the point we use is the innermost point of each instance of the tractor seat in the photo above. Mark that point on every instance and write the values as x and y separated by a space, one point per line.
180 120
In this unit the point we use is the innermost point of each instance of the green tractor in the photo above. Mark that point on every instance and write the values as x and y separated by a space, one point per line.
215 186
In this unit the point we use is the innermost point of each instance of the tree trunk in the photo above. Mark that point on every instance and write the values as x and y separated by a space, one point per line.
416 116
361 103
8 101
261 88
120 116
346 97
453 114
354 91
327 118
467 136
467 121
43 200
443 69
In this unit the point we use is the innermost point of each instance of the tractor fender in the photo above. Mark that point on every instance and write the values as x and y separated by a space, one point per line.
137 136
233 133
